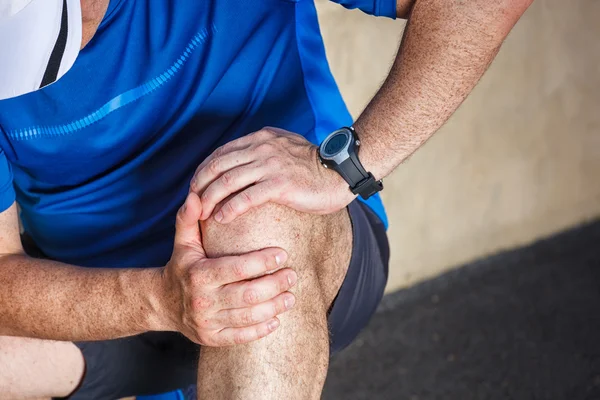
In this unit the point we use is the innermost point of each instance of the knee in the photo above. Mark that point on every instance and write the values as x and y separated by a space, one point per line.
318 247
270 225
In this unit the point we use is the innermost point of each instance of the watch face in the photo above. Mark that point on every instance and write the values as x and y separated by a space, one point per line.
336 143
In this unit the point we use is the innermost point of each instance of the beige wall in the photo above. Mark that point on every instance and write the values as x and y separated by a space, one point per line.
518 161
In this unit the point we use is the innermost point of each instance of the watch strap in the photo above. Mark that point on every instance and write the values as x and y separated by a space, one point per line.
368 187
351 171
361 182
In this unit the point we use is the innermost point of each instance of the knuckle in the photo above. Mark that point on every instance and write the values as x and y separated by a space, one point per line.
214 165
229 300
248 318
282 141
271 131
228 178
256 136
266 132
277 181
230 207
240 337
205 196
239 269
245 197
273 163
251 296
265 147
219 151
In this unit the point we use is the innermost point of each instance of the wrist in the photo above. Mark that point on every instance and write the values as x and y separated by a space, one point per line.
334 181
147 288
160 318
339 152
372 152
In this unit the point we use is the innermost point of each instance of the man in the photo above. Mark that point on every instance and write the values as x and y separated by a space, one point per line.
159 110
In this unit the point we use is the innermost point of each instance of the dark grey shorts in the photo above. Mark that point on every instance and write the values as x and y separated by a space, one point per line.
158 362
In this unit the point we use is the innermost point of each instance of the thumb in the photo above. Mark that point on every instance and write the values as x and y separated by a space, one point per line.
187 228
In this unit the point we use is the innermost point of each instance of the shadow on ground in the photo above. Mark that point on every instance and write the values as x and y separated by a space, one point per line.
523 324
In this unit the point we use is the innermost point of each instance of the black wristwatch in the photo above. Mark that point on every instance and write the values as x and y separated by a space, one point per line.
339 152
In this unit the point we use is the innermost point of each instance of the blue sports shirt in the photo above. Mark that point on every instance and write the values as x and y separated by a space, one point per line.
101 161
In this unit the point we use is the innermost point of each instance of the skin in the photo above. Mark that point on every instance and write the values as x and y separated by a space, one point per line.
446 48
92 13
292 362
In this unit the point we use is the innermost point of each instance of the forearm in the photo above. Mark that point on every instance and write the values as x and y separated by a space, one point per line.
446 48
50 300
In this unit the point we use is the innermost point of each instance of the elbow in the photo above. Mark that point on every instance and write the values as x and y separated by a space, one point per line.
521 5
517 7
502 15
512 10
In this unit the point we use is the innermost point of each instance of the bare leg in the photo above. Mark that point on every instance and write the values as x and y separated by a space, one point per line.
292 362
33 368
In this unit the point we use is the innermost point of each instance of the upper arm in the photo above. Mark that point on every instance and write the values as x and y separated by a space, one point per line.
10 237
384 8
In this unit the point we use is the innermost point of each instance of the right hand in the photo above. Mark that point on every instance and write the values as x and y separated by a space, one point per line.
222 301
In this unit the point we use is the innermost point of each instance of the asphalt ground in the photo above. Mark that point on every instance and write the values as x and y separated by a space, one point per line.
522 324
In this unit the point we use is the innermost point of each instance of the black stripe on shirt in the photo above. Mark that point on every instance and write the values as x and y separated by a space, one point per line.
58 52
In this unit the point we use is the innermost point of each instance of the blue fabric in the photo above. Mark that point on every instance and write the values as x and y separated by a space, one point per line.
383 8
176 395
7 192
101 160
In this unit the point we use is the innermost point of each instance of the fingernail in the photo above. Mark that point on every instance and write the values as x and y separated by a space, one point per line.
273 324
292 278
219 216
280 258
289 302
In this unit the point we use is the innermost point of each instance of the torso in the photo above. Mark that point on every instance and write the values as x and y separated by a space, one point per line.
102 159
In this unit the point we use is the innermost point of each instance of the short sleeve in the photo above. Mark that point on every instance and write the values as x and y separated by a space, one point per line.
7 191
379 8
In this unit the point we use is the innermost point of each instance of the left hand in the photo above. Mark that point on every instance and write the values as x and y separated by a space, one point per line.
271 165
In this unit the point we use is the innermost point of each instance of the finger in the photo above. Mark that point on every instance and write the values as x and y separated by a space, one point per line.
187 230
239 144
216 165
229 183
232 269
241 317
250 197
256 291
233 336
